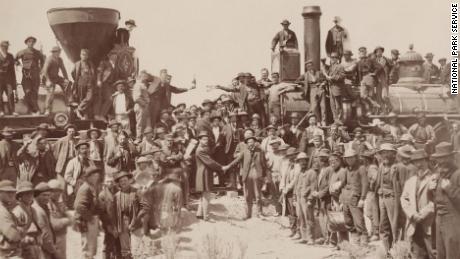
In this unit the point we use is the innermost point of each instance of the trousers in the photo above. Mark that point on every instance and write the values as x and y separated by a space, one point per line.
252 190
203 205
142 119
336 107
103 102
30 84
50 92
371 211
318 103
291 211
447 236
388 221
89 238
7 88
354 219
305 213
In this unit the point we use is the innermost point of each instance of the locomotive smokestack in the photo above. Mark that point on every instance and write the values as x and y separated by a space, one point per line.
311 36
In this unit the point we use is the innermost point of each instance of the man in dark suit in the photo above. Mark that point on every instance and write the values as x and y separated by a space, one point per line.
84 75
7 77
254 171
160 91
107 74
286 38
233 135
335 39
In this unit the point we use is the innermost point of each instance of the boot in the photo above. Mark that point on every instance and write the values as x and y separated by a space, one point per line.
374 238
296 236
354 238
364 240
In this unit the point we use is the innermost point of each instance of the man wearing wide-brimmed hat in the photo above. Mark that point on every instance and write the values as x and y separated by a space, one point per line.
304 200
286 39
42 194
122 105
74 171
418 206
446 190
95 146
9 163
422 132
430 70
60 217
383 77
10 231
86 211
32 60
389 189
64 148
123 156
336 38
127 206
27 219
353 195
288 180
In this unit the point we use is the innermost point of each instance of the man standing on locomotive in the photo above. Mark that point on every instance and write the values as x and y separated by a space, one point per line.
7 77
32 61
84 76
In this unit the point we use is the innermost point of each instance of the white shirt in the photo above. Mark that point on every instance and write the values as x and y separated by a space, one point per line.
215 132
120 104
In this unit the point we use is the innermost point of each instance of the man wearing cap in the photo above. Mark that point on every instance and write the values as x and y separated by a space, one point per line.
26 219
122 105
42 193
64 148
371 208
86 212
312 81
54 64
389 190
10 232
7 78
336 37
127 205
394 64
32 61
9 163
354 193
286 38
107 74
205 166
335 77
75 168
446 189
84 76
59 216
422 133
304 200
430 70
418 205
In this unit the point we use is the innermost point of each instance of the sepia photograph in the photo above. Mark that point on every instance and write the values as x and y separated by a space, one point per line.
229 129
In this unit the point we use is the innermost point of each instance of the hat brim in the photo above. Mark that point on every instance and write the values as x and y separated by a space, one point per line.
24 191
292 154
88 133
439 155
30 38
401 154
81 144
113 124
117 178
247 139
7 189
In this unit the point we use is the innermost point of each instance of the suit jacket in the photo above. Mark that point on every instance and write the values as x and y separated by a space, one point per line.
205 166
76 71
7 69
156 88
119 162
48 238
106 73
306 184
85 203
288 39
255 157
230 141
337 72
63 152
322 187
417 201
73 173
334 40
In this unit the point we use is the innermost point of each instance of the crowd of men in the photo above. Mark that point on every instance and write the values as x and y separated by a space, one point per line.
136 176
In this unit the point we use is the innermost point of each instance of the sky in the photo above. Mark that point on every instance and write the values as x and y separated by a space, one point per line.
213 40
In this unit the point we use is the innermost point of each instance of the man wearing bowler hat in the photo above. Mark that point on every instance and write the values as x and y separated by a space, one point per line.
86 212
10 232
54 64
7 78
446 190
286 39
336 38
32 61
418 206
64 148
354 193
